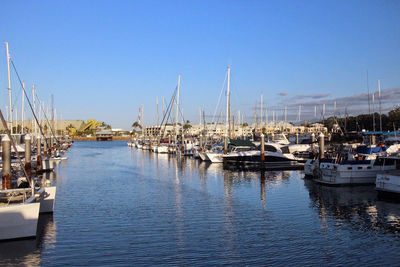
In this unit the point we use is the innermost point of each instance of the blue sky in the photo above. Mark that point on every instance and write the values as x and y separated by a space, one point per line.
102 59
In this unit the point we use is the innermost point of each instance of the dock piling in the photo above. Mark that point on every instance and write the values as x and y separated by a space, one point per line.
39 153
28 153
321 146
262 153
6 156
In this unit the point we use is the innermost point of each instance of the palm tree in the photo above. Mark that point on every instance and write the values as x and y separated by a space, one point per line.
136 125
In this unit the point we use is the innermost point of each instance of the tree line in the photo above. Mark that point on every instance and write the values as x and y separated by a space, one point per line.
390 122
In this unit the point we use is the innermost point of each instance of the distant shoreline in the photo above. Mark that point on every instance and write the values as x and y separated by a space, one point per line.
93 138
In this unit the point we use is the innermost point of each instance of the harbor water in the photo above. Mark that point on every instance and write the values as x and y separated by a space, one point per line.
119 206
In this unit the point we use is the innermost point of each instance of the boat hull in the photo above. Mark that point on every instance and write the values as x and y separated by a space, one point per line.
388 184
48 199
18 220
336 174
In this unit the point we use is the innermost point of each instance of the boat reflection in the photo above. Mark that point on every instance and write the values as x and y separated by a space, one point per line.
356 205
27 252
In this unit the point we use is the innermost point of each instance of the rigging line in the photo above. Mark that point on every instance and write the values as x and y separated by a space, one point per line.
219 98
44 113
169 113
29 102
169 109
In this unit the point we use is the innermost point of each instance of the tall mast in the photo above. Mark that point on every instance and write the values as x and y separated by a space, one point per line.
163 107
34 106
16 120
228 105
315 112
262 110
373 111
9 88
55 121
142 118
52 110
380 105
22 108
157 110
285 113
177 105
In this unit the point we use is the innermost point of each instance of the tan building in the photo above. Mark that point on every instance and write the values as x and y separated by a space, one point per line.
60 125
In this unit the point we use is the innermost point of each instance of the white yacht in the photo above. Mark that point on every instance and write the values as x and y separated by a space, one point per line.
273 155
388 182
18 220
353 171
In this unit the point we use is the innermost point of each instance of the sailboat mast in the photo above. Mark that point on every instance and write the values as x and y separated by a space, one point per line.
157 111
228 104
22 108
9 87
262 110
380 105
34 106
177 105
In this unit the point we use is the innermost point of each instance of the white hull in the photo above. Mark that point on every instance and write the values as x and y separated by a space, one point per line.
163 149
203 156
310 166
350 174
215 157
48 199
388 182
18 220
48 165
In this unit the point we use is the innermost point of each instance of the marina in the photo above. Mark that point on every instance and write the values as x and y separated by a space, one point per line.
199 133
154 209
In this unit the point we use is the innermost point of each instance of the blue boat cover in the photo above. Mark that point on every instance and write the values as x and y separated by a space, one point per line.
370 150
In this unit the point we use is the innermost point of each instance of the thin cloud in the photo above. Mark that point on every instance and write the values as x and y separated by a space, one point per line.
313 96
282 93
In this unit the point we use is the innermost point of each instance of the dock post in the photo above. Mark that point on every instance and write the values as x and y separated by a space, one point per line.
297 138
225 144
273 137
45 147
6 156
183 145
373 141
262 150
39 153
321 146
201 142
313 142
28 154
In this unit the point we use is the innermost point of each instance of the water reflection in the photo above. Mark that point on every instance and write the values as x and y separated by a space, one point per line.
27 252
357 206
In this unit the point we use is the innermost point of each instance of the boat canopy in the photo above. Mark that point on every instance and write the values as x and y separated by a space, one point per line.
238 142
370 150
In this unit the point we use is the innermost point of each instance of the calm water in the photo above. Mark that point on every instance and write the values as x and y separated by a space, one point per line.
119 206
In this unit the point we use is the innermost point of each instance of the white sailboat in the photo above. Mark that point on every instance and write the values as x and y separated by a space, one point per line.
216 153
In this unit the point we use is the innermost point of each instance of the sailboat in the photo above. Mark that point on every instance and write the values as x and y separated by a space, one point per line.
216 152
